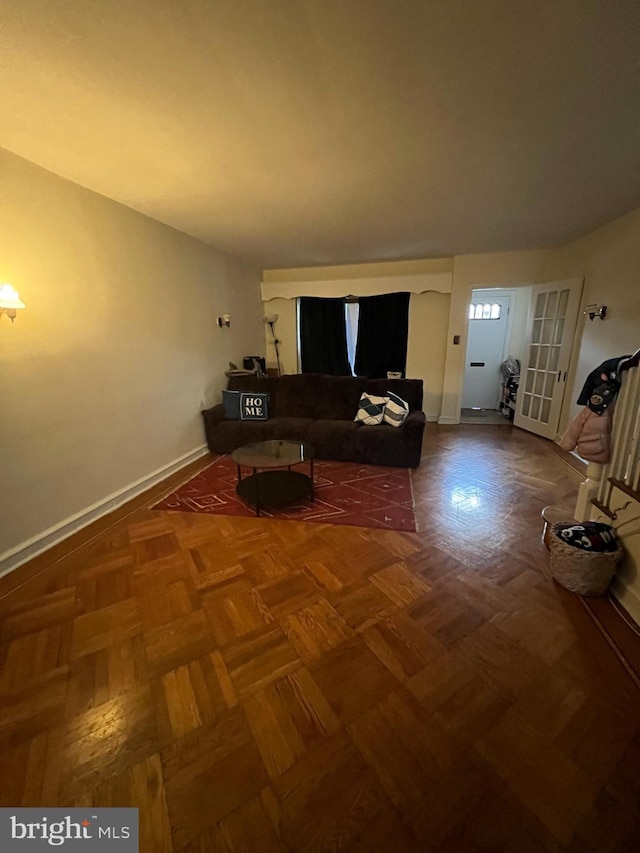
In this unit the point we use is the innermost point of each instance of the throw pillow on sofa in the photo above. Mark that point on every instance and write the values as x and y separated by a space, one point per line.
254 406
370 409
231 403
396 410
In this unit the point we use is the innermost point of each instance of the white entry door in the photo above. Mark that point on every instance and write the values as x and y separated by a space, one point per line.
485 349
553 313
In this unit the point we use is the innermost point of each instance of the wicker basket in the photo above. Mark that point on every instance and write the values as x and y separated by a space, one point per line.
584 572
551 515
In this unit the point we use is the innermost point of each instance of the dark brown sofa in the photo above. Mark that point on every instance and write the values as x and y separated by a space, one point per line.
320 411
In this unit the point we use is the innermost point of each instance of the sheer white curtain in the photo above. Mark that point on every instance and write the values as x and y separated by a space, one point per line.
351 311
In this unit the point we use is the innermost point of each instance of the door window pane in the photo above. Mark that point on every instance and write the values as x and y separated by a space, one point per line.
485 311
539 384
535 408
549 384
529 380
562 305
559 329
544 411
533 354
543 358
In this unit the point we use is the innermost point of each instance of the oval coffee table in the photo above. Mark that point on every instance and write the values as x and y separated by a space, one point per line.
273 482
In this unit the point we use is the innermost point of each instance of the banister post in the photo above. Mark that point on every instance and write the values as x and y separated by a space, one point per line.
588 490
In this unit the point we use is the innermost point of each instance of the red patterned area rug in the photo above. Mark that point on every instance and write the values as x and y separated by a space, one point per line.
345 493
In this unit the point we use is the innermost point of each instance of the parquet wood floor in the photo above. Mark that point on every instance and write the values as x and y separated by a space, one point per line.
265 685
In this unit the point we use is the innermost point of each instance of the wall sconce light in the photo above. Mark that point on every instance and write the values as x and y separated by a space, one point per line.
9 301
596 311
225 320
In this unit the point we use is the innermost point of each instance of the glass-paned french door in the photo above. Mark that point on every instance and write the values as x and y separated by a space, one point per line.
553 313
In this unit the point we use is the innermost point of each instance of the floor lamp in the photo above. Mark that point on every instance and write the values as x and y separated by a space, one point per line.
271 321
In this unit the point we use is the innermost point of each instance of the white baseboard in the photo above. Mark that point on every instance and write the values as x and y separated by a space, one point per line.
449 420
19 554
432 419
629 598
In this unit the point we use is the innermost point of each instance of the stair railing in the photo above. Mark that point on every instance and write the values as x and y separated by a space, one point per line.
622 472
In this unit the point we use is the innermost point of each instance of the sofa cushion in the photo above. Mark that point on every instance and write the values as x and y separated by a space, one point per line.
231 403
333 439
340 396
298 397
229 435
380 445
395 411
290 429
254 406
313 395
370 409
409 389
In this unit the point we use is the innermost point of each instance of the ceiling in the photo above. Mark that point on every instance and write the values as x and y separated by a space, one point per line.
311 132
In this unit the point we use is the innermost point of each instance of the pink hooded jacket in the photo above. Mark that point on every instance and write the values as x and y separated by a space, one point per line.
590 434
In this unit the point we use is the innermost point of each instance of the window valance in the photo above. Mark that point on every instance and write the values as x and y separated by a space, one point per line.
423 283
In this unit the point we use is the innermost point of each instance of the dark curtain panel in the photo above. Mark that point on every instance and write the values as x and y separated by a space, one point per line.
383 326
323 336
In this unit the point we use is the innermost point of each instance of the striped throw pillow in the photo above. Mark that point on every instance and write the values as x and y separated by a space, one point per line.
370 410
396 410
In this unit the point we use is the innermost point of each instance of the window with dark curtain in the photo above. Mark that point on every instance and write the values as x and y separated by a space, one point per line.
323 337
383 326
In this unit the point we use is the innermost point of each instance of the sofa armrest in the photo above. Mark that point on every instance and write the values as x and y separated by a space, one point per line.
212 417
413 426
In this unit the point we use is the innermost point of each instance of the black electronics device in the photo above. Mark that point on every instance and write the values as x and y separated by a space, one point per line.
248 362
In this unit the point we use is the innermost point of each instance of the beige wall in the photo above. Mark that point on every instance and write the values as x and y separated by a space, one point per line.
426 346
103 376
609 259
